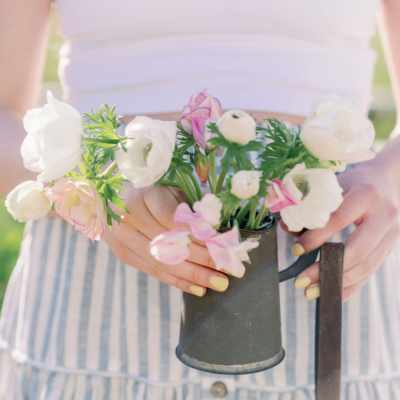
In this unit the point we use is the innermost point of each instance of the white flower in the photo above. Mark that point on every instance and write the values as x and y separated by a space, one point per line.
237 126
246 184
318 193
149 152
209 208
28 201
52 146
339 132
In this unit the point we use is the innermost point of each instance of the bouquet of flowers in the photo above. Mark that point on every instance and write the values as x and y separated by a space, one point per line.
235 174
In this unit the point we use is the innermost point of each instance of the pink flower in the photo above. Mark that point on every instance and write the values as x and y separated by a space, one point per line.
204 219
228 253
200 110
279 197
79 204
171 247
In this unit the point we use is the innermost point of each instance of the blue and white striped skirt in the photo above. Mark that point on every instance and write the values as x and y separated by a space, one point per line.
78 324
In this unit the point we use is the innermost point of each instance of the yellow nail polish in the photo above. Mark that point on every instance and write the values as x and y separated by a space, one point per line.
302 282
313 292
197 290
298 250
218 283
236 274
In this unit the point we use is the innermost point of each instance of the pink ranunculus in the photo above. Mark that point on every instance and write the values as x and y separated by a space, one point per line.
228 253
205 217
80 205
279 197
171 247
200 110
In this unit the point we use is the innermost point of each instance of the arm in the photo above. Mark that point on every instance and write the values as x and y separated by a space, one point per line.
390 32
23 40
372 194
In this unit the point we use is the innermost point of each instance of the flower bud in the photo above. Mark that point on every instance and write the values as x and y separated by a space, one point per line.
246 184
237 126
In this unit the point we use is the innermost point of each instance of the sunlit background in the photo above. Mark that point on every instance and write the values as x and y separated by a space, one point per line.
382 114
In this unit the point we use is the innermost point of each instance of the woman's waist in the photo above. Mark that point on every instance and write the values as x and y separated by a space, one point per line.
258 115
248 72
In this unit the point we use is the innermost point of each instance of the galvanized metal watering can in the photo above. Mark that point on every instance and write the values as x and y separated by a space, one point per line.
239 331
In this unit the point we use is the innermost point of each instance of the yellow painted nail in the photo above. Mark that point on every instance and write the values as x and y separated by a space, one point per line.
218 283
313 292
298 250
197 290
302 282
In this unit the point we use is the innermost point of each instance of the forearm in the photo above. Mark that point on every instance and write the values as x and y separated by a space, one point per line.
390 33
11 164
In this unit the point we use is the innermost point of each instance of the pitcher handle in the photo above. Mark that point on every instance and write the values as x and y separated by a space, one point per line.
299 265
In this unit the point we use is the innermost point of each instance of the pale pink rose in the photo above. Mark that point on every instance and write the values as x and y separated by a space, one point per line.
228 253
79 204
200 110
279 197
171 247
205 217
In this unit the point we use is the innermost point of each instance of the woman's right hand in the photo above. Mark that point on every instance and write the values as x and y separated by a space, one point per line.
151 213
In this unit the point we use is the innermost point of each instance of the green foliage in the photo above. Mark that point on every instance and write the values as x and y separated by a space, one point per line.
101 140
284 150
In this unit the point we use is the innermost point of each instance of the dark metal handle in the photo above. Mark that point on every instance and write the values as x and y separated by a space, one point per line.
299 266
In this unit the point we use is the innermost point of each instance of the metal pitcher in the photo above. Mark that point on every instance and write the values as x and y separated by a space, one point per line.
239 331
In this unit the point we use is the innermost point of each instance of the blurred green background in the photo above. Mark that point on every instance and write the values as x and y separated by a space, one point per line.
382 114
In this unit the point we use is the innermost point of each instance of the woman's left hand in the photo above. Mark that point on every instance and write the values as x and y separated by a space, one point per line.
371 203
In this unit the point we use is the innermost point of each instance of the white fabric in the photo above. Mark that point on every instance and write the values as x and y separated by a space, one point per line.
149 56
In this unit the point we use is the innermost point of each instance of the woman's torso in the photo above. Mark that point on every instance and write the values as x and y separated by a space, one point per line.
282 56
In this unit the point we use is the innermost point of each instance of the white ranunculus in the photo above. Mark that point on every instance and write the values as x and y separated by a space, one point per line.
237 126
321 195
52 146
28 201
246 184
150 147
210 208
339 132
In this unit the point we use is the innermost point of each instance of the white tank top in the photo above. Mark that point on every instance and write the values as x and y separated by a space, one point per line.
275 55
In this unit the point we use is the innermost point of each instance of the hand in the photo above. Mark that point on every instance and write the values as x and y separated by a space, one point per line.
372 204
151 213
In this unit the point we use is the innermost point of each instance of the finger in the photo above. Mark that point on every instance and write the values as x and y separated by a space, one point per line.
354 206
365 239
191 272
130 258
162 205
363 270
142 220
308 277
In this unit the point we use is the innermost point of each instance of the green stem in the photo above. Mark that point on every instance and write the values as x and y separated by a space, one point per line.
196 186
260 217
109 170
242 213
186 187
253 211
221 179
212 175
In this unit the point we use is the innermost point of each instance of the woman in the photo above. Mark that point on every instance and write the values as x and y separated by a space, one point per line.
85 320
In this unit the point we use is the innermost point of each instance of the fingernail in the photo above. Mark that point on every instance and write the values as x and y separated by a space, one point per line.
236 274
218 283
302 282
313 292
298 250
197 290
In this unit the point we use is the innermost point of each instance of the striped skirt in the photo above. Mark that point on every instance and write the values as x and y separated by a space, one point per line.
78 324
